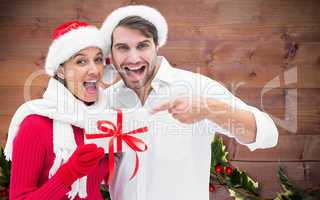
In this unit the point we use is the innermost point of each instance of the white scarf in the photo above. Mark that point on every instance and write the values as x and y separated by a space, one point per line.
60 105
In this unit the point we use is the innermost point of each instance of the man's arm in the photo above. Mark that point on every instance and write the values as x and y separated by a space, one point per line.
245 134
193 109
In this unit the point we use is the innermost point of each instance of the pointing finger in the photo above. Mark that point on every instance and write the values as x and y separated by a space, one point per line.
161 107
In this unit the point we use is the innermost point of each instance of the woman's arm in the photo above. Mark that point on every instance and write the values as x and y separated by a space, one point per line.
28 159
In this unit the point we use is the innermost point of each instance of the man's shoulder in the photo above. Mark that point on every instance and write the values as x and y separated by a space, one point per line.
194 81
179 74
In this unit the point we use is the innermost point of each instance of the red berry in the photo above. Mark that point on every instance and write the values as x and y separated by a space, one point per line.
218 169
211 188
229 170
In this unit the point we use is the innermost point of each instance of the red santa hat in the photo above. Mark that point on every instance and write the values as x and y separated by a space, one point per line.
150 14
68 39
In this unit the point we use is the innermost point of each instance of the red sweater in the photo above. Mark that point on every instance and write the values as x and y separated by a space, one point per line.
32 158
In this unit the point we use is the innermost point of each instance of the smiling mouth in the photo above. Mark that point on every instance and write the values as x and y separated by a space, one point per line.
136 70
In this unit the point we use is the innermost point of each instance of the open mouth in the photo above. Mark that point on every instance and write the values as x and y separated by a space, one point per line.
90 86
135 73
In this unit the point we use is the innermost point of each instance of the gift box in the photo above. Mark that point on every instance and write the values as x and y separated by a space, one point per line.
117 131
118 127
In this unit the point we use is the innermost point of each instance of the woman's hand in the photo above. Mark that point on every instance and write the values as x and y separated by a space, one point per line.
81 162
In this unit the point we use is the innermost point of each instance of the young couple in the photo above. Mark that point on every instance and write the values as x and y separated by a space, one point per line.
46 136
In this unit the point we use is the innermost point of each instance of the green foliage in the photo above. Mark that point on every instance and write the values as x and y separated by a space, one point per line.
240 179
105 192
292 192
242 187
218 153
238 183
5 167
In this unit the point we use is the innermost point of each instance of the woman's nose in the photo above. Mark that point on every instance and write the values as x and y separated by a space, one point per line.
93 68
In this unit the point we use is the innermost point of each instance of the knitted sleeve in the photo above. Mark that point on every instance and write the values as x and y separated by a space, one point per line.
28 158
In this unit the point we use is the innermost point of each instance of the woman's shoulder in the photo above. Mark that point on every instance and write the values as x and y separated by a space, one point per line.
36 123
34 130
38 120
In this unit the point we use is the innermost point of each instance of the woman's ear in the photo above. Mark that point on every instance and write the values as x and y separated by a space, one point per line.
60 72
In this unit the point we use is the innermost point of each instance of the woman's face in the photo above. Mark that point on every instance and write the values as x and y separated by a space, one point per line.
83 72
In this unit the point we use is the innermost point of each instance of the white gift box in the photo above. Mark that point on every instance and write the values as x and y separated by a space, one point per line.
102 127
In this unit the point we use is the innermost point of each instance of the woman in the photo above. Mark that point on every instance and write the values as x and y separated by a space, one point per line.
45 141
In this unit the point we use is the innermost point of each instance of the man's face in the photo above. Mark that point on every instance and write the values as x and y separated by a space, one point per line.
134 56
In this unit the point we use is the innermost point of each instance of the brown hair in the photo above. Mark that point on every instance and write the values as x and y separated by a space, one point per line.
144 26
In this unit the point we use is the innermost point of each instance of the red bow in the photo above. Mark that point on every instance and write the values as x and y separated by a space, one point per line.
116 133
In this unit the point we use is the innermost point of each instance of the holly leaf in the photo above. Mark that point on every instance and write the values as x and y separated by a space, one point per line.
238 195
287 195
286 184
104 192
249 184
240 179
235 178
293 192
219 154
5 167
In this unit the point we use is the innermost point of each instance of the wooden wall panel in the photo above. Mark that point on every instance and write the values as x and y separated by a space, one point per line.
243 32
302 105
36 8
249 46
309 110
4 125
15 97
29 72
312 148
218 12
4 121
289 148
61 10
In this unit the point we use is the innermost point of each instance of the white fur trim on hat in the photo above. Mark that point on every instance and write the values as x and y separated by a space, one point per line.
72 42
146 12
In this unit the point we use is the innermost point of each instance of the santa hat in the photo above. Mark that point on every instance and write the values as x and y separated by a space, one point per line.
150 14
70 38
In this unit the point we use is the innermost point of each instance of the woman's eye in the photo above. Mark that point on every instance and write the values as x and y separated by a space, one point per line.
99 60
81 62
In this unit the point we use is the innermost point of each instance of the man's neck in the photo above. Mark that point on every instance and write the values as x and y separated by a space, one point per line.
143 93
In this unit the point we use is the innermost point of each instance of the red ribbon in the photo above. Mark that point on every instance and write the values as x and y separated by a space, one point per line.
116 133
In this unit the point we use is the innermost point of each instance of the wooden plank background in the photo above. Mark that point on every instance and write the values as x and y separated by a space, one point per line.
246 45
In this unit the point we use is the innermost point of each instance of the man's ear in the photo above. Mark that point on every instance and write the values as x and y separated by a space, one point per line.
60 72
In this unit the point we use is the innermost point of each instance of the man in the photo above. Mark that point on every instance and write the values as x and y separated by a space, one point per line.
176 166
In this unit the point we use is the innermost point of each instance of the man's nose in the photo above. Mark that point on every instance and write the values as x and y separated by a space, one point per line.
133 56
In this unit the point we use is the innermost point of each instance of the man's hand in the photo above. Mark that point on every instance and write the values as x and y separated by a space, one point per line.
193 109
185 109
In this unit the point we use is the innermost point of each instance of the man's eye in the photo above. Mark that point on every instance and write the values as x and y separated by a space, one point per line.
141 46
122 48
